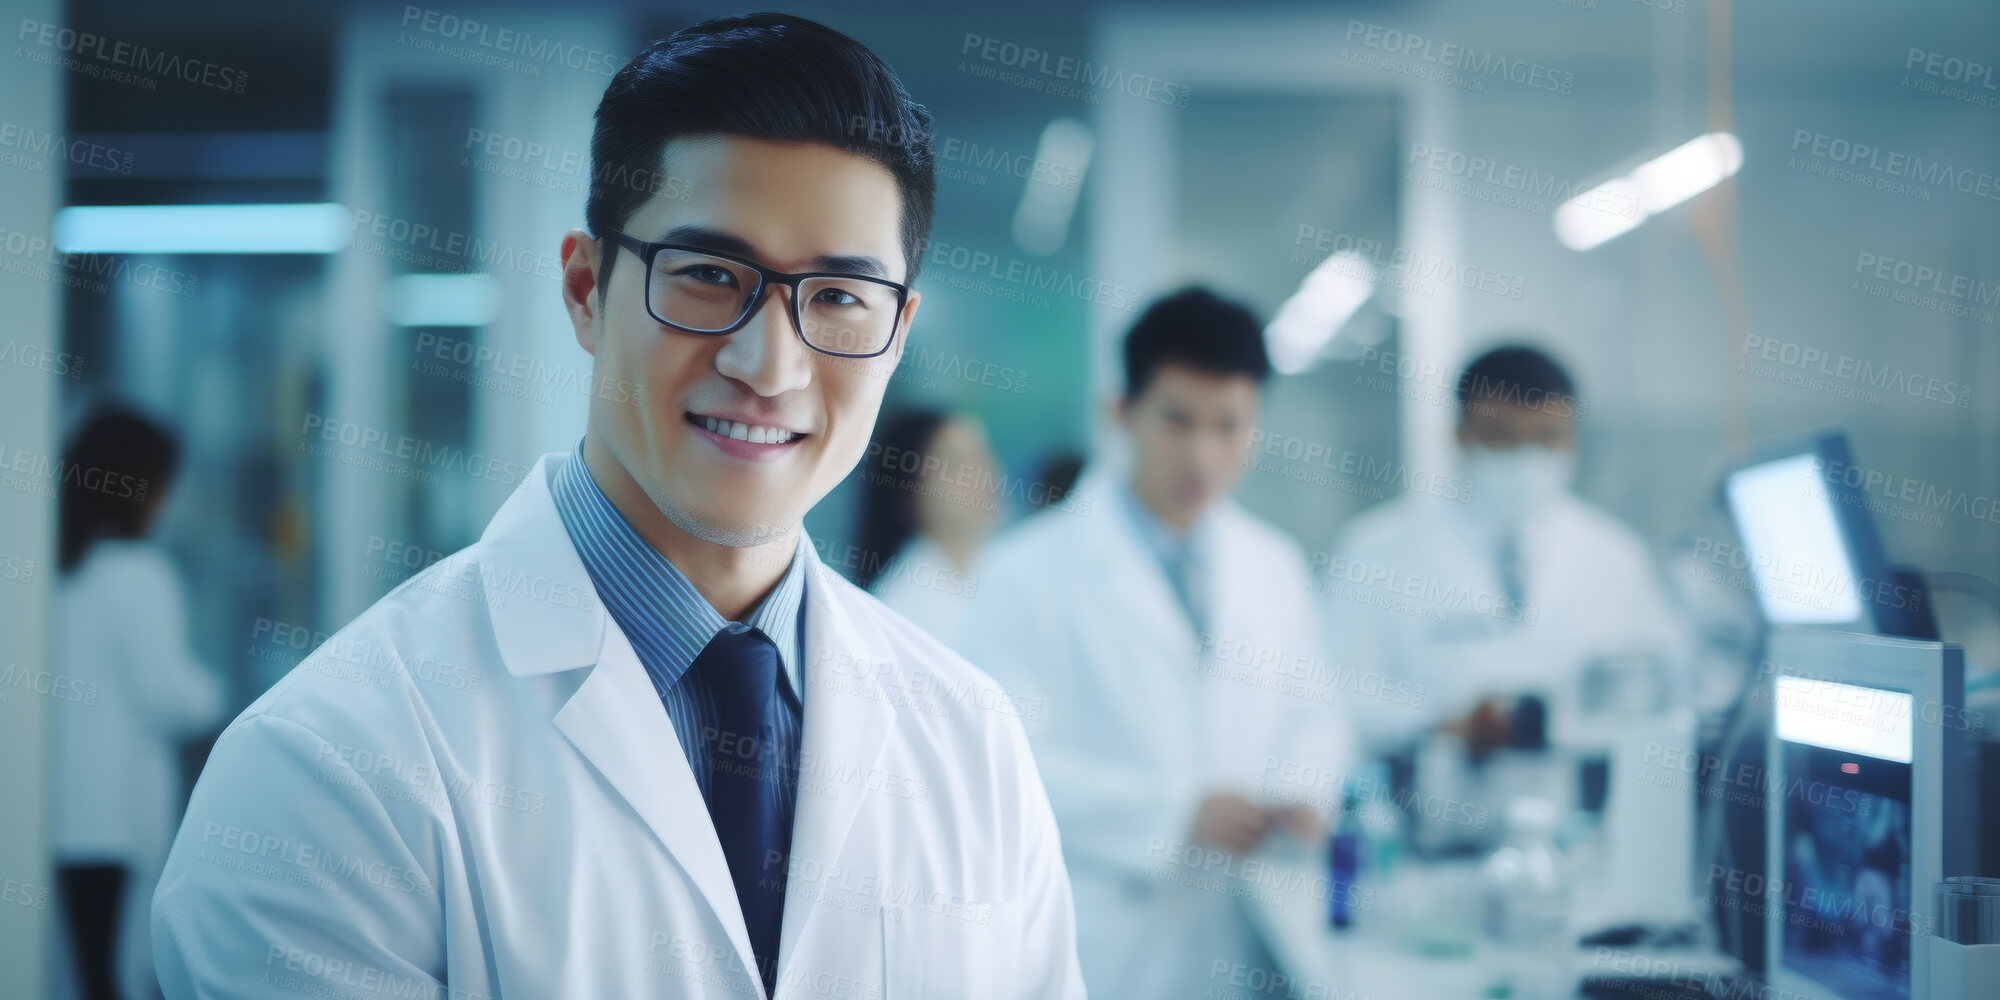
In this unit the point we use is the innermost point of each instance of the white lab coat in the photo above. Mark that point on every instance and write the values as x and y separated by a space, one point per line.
136 692
474 784
1134 718
128 691
922 585
1414 596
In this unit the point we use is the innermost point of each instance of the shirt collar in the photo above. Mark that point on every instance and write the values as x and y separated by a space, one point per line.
1168 545
659 610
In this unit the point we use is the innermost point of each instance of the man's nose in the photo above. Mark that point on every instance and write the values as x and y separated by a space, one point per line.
767 354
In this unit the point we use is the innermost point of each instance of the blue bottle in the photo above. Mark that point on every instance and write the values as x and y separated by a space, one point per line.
1344 864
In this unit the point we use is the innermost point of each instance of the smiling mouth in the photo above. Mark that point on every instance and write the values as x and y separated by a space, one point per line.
738 431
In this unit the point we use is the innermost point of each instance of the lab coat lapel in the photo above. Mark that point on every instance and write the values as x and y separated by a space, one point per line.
1152 595
1238 590
847 725
1154 648
617 722
614 719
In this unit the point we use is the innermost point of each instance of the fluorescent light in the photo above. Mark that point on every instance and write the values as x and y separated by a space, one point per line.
316 228
1048 202
1620 205
1324 302
1607 210
1688 170
441 300
1873 722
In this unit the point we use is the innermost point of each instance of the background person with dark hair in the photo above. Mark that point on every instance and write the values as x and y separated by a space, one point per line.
692 765
1510 585
128 690
1167 641
928 505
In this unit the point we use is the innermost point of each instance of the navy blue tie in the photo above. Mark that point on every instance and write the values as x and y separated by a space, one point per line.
746 764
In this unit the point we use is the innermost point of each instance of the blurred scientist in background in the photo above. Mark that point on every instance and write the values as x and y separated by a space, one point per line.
129 692
926 510
1154 634
1524 587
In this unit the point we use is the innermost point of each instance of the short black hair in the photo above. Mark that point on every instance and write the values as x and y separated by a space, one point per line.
113 472
774 77
1514 373
1198 328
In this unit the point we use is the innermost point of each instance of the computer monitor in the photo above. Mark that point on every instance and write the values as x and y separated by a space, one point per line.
1810 547
1864 802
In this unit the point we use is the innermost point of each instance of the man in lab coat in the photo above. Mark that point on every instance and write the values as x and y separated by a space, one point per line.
1166 643
1513 586
660 750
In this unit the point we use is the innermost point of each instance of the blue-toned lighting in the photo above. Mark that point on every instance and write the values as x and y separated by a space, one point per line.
1048 200
442 300
1619 205
1329 296
317 228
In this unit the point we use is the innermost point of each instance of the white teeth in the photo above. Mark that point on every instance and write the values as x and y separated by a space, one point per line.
747 432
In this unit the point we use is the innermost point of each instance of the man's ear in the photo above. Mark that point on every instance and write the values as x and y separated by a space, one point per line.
1118 407
907 325
579 287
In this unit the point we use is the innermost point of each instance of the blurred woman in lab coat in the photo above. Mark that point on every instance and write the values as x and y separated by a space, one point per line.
127 692
928 507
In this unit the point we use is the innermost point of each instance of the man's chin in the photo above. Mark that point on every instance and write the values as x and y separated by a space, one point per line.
735 532
717 520
1195 499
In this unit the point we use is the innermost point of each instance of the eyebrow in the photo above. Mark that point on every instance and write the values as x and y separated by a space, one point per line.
729 243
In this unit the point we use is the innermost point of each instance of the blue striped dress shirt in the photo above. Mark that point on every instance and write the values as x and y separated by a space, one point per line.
669 622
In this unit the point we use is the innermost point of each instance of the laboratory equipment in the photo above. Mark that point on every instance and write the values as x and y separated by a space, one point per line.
1964 944
1526 904
1810 547
1865 798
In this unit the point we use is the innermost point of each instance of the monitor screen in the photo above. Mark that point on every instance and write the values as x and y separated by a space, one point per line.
1846 837
1802 569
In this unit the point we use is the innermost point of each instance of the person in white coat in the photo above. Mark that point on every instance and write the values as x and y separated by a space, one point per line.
128 692
927 509
1167 643
661 750
1512 586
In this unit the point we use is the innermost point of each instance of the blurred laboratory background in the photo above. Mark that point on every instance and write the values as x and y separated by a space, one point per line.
316 243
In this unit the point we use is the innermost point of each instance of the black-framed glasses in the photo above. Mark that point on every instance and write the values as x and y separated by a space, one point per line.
701 291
